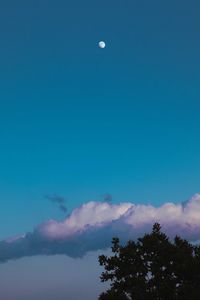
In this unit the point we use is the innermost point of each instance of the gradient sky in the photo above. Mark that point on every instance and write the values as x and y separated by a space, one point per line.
80 121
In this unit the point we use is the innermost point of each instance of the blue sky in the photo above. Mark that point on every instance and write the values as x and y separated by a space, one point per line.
80 121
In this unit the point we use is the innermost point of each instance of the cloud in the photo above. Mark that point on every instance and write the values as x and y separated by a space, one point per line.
55 198
91 227
107 197
59 200
63 208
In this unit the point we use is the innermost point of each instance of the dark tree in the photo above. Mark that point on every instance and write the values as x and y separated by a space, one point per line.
152 268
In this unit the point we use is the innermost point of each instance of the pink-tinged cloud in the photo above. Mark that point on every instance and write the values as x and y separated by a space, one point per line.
91 227
89 215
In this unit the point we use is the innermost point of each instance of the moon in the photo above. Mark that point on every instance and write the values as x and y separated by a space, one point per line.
102 44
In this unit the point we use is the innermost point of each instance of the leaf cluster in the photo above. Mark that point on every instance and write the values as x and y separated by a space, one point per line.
152 268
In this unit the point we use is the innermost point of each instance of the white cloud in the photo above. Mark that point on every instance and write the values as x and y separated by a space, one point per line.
92 226
91 214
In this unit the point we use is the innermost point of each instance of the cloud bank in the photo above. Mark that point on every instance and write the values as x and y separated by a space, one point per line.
91 227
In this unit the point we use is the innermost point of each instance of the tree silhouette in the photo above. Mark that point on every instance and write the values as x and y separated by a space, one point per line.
152 268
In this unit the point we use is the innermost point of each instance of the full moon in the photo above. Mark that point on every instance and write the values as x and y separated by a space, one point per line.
102 44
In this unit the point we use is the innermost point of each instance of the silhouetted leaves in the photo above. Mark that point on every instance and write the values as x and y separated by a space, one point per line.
153 268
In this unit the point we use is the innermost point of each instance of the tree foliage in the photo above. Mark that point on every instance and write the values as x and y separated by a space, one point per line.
152 268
